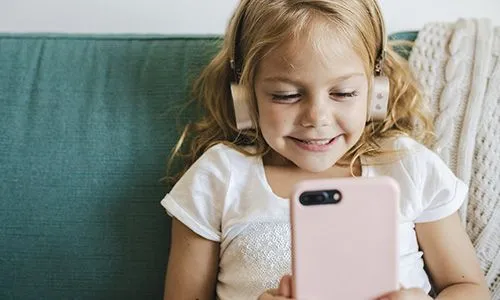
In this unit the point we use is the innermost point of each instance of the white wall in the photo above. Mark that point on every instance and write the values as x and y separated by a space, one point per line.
199 16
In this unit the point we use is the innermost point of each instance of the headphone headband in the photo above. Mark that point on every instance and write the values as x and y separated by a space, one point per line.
239 23
379 61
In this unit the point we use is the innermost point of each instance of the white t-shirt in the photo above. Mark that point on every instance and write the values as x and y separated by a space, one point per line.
225 197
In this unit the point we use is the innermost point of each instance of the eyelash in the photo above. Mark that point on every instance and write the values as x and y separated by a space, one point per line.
294 96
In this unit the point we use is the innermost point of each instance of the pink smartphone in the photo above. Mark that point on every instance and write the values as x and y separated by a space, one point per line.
344 238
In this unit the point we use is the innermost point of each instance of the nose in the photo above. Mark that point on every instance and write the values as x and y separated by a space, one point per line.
315 113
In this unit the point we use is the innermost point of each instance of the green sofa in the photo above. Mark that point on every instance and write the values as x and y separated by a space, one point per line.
87 124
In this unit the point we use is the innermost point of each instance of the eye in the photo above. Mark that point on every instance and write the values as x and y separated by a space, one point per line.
286 98
345 96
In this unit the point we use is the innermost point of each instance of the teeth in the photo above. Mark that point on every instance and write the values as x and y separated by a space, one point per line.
321 142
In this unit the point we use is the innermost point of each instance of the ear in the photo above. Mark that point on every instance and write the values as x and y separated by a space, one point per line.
241 99
379 102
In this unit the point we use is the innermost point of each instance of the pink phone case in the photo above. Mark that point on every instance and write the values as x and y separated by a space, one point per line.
347 250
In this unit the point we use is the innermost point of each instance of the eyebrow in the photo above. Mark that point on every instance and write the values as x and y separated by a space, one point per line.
281 78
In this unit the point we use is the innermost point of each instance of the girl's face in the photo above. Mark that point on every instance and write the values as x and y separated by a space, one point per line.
312 100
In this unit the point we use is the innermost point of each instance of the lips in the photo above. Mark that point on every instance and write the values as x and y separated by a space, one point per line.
314 141
315 145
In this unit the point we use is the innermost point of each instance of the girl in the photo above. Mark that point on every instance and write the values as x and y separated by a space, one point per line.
298 91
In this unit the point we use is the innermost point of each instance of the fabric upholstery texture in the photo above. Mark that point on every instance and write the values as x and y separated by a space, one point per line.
86 125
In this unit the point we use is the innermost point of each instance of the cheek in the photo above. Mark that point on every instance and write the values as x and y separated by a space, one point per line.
272 118
355 118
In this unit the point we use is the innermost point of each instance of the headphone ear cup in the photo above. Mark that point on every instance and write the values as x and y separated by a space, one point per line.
241 109
379 104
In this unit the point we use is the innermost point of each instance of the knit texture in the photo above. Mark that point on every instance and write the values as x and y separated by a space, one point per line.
458 66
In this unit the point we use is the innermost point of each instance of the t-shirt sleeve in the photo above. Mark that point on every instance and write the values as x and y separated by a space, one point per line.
442 193
196 199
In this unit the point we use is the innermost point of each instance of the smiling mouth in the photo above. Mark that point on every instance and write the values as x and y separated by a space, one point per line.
316 145
319 142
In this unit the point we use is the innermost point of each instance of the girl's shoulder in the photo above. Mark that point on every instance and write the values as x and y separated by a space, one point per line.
405 150
228 153
414 155
412 163
405 144
223 159
429 188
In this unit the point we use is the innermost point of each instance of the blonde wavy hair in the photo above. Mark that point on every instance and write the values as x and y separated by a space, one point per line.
264 26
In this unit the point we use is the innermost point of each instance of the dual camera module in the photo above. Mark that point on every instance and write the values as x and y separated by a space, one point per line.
320 197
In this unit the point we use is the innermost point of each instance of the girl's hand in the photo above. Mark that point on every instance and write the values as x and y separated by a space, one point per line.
284 291
407 294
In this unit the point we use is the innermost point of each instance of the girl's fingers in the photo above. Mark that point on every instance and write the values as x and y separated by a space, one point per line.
272 295
285 287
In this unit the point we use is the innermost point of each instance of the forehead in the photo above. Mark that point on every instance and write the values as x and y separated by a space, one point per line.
320 45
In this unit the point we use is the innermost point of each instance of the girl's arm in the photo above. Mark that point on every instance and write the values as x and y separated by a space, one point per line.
451 260
192 265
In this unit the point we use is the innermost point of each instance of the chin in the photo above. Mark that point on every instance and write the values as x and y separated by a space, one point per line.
314 166
315 169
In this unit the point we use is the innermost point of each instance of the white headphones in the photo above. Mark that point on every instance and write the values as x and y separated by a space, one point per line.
377 106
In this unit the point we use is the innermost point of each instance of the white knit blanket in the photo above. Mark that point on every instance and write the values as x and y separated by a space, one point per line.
458 66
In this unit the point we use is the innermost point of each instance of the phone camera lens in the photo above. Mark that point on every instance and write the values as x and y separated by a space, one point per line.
314 198
319 198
